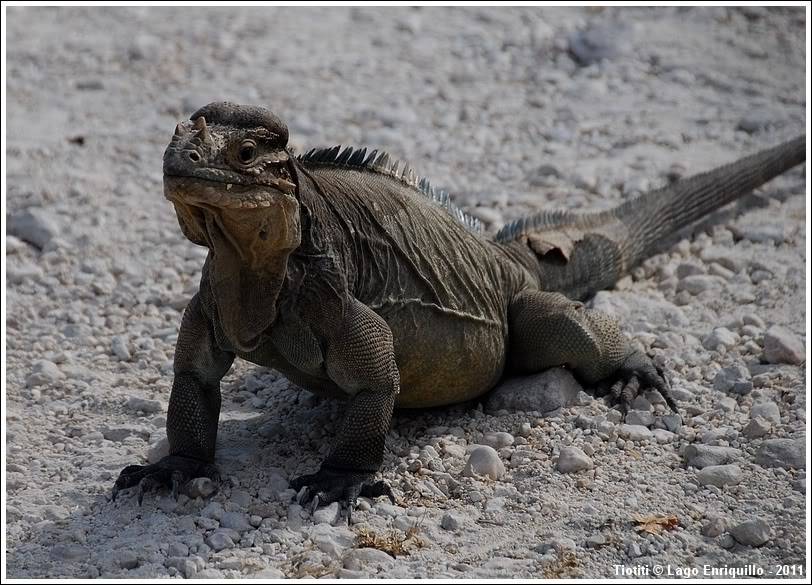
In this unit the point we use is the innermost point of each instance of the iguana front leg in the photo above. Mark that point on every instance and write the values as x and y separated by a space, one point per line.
548 329
360 359
194 409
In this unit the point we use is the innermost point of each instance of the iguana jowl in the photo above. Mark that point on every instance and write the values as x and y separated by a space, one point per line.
355 278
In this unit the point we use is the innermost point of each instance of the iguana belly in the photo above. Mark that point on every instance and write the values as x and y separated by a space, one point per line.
443 358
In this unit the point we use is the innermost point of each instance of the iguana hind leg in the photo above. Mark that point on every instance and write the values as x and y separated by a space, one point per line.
548 329
194 410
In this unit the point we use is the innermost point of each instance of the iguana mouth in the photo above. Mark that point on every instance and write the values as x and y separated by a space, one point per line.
230 195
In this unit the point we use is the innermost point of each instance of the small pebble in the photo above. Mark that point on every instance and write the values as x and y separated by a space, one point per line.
188 567
701 456
573 460
753 532
219 541
484 461
635 433
120 348
200 487
734 379
713 526
144 405
44 372
327 515
700 283
177 549
357 558
782 346
719 475
756 428
450 521
640 418
721 336
726 541
767 410
34 225
686 269
662 436
158 450
754 320
127 559
498 440
606 40
557 544
268 574
595 541
783 453
235 520
756 121
672 422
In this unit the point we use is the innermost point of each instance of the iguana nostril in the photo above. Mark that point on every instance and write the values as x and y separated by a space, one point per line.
194 157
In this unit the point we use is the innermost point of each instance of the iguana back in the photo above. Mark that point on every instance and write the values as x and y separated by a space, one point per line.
401 244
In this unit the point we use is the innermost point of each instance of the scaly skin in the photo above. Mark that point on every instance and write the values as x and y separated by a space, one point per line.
356 279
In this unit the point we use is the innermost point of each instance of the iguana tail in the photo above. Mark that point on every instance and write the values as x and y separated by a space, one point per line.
581 253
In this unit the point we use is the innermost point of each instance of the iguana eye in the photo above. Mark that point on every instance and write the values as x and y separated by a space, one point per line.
247 152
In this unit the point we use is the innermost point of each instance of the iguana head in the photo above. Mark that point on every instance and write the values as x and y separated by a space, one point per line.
229 175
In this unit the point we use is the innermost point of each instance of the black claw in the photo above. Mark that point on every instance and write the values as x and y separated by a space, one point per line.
303 496
616 389
141 491
669 400
114 494
212 473
352 492
630 391
177 480
665 391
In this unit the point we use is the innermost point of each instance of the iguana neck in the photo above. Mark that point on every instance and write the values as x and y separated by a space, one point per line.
246 277
325 229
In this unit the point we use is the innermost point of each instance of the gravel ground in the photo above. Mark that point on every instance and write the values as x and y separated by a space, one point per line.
509 109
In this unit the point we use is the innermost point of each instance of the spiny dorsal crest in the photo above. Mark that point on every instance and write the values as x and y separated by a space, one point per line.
380 162
514 229
552 219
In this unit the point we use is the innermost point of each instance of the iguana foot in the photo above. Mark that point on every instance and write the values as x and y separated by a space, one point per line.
173 471
638 372
339 485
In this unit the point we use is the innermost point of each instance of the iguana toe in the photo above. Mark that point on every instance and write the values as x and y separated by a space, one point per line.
344 486
173 471
638 373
